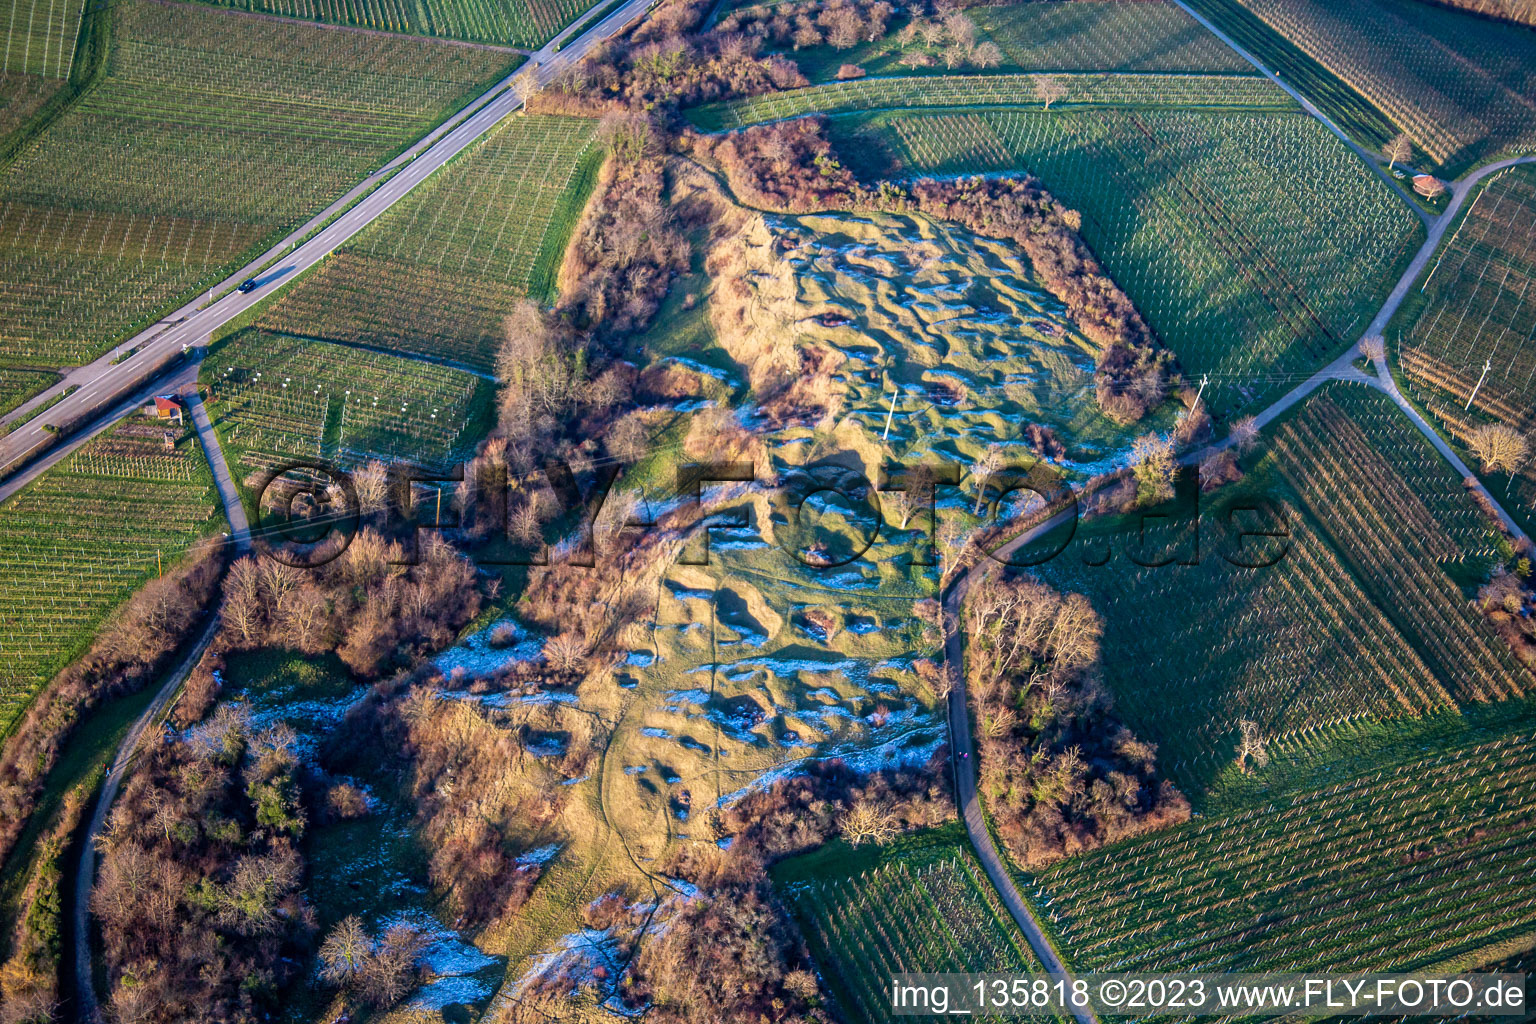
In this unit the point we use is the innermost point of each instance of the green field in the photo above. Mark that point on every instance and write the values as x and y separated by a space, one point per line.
276 397
1363 617
84 536
439 272
1366 849
1105 35
37 56
1250 274
915 91
39 37
1463 87
526 23
1476 308
217 146
16 386
921 904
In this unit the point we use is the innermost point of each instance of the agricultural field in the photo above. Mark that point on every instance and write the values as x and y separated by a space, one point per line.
921 904
217 147
275 397
1105 35
1419 837
16 386
1364 616
1477 307
37 53
1083 90
1463 87
39 37
523 23
1251 279
83 537
438 273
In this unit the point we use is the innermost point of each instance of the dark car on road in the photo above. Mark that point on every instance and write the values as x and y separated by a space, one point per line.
248 285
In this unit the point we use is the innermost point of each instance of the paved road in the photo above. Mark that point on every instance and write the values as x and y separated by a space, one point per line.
102 383
964 758
85 874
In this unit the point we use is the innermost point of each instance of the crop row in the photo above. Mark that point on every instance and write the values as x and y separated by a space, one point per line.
1396 867
895 919
1020 90
438 274
1460 85
1481 299
528 23
38 37
1396 548
1248 279
16 386
225 132
1142 37
288 396
82 538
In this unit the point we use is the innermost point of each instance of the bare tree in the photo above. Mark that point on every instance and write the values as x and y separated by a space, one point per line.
1500 448
989 466
1398 150
1245 434
986 55
961 30
1374 347
870 821
1154 466
371 482
1050 89
1251 749
567 651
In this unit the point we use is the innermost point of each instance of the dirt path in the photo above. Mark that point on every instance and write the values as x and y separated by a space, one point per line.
85 873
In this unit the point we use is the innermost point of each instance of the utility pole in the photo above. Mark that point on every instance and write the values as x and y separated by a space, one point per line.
890 413
1205 379
439 520
1487 365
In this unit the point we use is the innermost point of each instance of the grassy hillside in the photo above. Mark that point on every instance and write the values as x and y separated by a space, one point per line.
437 274
226 132
1255 245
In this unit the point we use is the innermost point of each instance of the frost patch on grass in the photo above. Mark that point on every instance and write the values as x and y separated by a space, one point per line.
477 658
914 747
543 855
461 974
653 731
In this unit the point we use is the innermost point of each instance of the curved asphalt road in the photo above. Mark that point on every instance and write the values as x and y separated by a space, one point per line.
102 383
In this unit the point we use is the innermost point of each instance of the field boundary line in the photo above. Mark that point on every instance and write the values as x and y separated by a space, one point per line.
332 26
